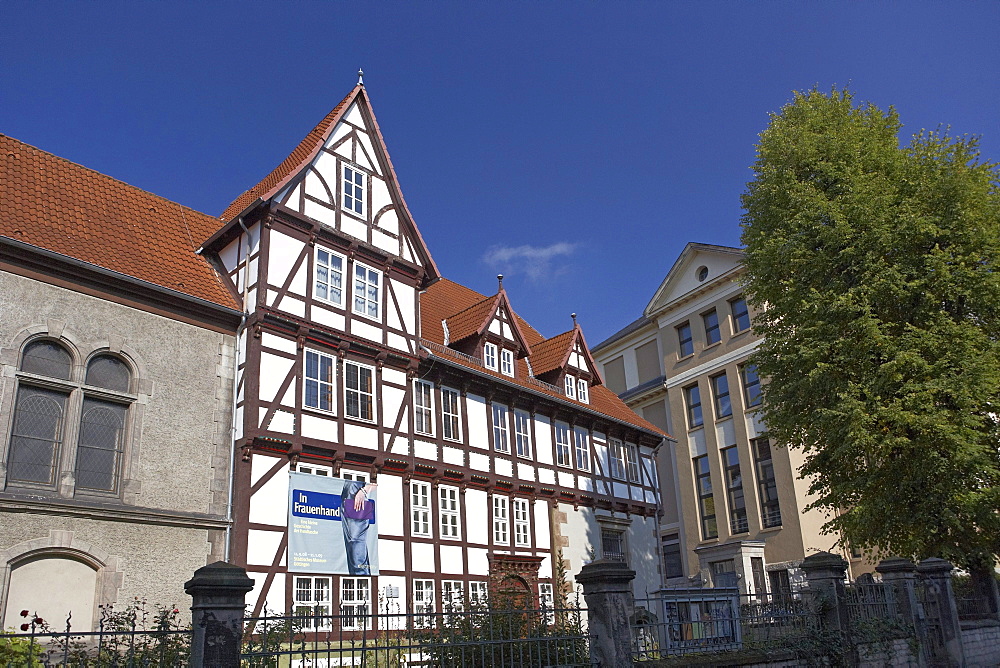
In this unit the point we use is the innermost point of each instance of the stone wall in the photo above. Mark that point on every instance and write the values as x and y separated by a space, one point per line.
981 642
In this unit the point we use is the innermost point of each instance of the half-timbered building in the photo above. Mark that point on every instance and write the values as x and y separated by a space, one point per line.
495 450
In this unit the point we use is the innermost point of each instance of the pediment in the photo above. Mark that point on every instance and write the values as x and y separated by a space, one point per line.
698 265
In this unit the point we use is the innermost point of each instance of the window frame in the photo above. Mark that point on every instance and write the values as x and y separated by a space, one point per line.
423 602
507 362
684 341
739 520
745 370
522 525
501 436
522 439
610 536
316 267
500 515
359 609
307 619
582 448
705 495
569 386
344 182
423 389
632 469
616 459
479 592
366 282
420 510
767 484
692 407
451 421
564 448
449 514
721 395
332 383
583 390
711 329
361 393
547 601
738 328
490 356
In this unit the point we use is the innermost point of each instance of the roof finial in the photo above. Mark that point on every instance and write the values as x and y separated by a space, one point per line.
361 77
499 282
573 315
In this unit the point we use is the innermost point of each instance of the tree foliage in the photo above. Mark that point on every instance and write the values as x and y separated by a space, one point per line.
875 269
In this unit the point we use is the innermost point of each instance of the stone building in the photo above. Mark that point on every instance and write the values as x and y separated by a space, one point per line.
734 506
116 374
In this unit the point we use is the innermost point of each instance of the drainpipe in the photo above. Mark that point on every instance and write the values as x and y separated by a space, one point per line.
236 376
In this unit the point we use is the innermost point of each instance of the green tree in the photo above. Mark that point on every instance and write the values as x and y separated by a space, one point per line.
874 266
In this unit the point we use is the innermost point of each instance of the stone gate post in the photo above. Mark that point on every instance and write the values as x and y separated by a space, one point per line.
937 573
607 589
901 575
218 592
826 573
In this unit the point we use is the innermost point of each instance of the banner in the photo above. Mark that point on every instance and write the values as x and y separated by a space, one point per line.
332 526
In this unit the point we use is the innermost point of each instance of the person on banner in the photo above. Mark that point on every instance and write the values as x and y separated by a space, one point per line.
358 513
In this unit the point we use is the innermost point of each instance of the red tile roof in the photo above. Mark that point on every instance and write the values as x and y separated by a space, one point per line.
58 205
552 353
469 321
445 299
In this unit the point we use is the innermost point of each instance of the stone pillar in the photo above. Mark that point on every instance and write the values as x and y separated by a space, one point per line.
826 573
218 591
901 575
937 575
607 589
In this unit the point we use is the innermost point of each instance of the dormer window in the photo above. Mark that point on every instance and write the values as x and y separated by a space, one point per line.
490 356
570 384
354 190
583 391
507 363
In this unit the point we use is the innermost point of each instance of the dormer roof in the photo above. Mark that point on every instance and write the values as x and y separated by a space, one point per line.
476 319
682 278
300 159
555 353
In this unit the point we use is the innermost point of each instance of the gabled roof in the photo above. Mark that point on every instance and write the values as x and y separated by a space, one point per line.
680 264
444 299
58 205
302 156
474 320
554 353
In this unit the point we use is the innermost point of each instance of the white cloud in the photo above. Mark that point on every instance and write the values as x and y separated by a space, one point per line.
533 261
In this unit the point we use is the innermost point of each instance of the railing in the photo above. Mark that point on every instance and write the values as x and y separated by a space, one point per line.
121 639
475 637
687 621
869 601
972 598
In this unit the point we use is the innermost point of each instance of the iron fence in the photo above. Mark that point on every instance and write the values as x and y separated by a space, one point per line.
120 641
475 637
685 621
972 598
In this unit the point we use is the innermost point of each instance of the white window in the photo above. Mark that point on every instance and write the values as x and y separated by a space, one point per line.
448 512
355 593
500 443
359 390
501 521
522 527
490 356
507 363
452 595
582 450
570 383
354 190
563 455
314 469
632 462
478 592
319 381
583 391
616 460
423 407
367 291
423 602
522 433
451 420
312 602
420 509
359 476
328 277
547 601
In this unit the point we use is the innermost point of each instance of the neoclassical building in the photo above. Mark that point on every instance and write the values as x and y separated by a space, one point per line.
734 505
490 449
117 358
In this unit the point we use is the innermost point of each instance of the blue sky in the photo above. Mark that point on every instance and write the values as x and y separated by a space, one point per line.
574 147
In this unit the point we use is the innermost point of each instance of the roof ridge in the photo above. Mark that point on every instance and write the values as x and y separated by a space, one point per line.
106 176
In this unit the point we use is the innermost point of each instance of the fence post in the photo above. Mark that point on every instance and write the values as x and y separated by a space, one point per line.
607 589
937 572
218 592
826 573
901 575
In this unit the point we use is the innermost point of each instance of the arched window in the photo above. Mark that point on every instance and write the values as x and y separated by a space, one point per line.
39 415
40 434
